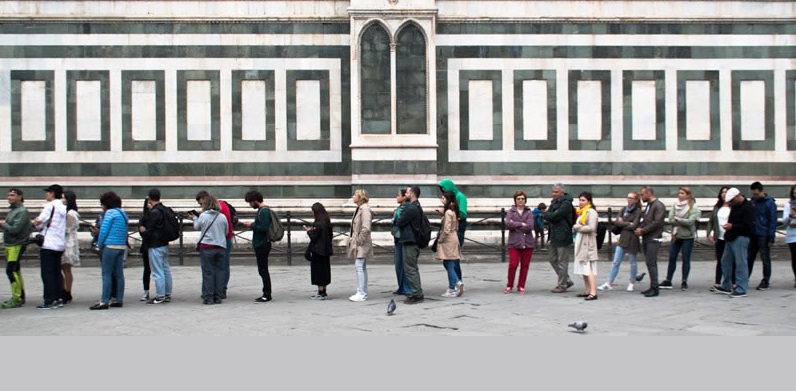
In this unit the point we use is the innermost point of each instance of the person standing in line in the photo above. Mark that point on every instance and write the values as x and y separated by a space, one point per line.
154 233
320 234
683 217
16 231
225 210
147 274
403 284
448 250
112 241
628 243
461 200
789 220
212 244
764 233
72 252
260 242
650 229
52 222
360 244
586 245
739 228
561 218
538 224
520 223
715 234
410 225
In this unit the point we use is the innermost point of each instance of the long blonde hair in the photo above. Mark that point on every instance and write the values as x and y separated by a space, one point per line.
690 194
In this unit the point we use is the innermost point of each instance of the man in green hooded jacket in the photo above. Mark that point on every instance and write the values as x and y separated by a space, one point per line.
461 200
16 230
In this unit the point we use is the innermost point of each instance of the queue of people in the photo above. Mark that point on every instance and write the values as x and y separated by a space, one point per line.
738 227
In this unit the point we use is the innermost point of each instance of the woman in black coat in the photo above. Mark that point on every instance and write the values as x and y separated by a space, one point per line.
321 247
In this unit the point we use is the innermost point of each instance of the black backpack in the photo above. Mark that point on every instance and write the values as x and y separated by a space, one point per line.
424 235
601 228
233 213
170 230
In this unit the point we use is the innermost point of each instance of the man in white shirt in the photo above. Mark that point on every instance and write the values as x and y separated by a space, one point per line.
52 223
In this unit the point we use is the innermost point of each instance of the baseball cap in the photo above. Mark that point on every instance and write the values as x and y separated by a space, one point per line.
55 189
731 194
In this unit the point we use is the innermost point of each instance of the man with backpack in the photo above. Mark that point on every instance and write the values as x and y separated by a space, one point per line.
230 213
261 226
410 223
161 227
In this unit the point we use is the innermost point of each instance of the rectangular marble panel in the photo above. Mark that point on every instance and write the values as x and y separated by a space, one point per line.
308 109
89 110
644 110
534 110
253 110
480 107
199 110
143 110
753 110
697 111
589 110
33 110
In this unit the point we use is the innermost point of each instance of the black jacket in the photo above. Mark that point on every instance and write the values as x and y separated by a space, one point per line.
321 238
409 223
154 226
742 218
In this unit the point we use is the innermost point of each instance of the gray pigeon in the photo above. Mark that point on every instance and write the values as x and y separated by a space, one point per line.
579 325
391 307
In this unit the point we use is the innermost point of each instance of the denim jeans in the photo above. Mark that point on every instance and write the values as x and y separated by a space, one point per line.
51 277
112 272
674 248
619 254
362 276
450 268
227 252
735 253
161 271
403 284
759 244
212 272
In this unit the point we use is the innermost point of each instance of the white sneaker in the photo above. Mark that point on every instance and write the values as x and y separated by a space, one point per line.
358 297
630 287
605 287
448 293
459 288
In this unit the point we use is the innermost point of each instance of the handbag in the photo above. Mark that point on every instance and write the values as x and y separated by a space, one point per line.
616 230
308 252
38 239
434 245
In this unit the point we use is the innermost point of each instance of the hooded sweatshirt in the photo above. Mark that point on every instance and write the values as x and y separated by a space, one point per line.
765 217
461 200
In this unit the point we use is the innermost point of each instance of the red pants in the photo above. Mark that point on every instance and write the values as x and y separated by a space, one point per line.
519 257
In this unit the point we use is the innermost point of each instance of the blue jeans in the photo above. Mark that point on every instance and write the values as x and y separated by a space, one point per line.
619 254
161 272
460 235
403 284
450 267
362 276
735 253
674 248
212 273
112 271
226 264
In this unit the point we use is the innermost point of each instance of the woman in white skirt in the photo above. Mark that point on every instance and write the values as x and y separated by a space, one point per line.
71 255
586 245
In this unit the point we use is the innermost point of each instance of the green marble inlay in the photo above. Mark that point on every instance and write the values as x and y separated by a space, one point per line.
618 28
128 143
549 76
72 143
410 81
604 144
660 110
374 76
621 52
768 143
17 144
497 110
238 143
139 27
183 144
293 144
175 52
714 144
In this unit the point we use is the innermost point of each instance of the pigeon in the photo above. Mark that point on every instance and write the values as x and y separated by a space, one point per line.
641 277
579 325
391 307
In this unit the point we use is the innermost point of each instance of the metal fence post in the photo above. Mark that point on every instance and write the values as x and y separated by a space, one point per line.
181 251
610 243
289 242
502 234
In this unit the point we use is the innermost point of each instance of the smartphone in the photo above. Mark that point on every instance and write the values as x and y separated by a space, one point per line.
304 226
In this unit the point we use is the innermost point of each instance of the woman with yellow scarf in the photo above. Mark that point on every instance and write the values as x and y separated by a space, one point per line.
586 245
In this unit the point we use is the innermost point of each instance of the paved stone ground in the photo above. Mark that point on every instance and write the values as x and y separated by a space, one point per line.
483 310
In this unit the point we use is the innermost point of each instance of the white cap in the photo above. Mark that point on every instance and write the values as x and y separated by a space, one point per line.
732 193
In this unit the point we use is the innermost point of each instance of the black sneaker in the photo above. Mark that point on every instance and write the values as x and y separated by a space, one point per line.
414 299
47 306
262 299
167 299
763 286
652 293
207 301
722 290
644 292
684 286
735 294
666 284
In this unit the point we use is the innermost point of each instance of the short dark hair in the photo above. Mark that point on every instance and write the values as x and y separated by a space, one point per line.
154 194
110 200
756 186
415 190
19 192
588 197
201 194
253 195
402 192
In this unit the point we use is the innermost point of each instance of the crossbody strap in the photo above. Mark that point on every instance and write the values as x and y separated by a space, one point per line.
207 228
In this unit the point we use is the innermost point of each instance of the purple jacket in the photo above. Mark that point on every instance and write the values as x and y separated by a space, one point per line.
519 236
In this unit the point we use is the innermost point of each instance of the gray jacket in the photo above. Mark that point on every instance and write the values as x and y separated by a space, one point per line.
215 234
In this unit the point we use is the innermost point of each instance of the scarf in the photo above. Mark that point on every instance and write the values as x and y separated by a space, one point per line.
628 211
582 219
681 208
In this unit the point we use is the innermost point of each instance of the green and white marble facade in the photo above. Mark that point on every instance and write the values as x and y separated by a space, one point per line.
315 98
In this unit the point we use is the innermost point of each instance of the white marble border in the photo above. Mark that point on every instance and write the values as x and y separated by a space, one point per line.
654 40
174 39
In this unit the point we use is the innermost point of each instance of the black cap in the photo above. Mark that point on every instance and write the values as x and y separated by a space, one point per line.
154 194
55 189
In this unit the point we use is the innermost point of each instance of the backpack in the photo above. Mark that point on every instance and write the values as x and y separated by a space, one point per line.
170 230
233 213
538 219
424 235
276 231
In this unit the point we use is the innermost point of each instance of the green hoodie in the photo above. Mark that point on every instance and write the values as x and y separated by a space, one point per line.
461 200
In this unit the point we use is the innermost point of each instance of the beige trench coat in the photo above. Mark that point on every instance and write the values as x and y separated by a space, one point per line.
586 240
360 244
448 243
